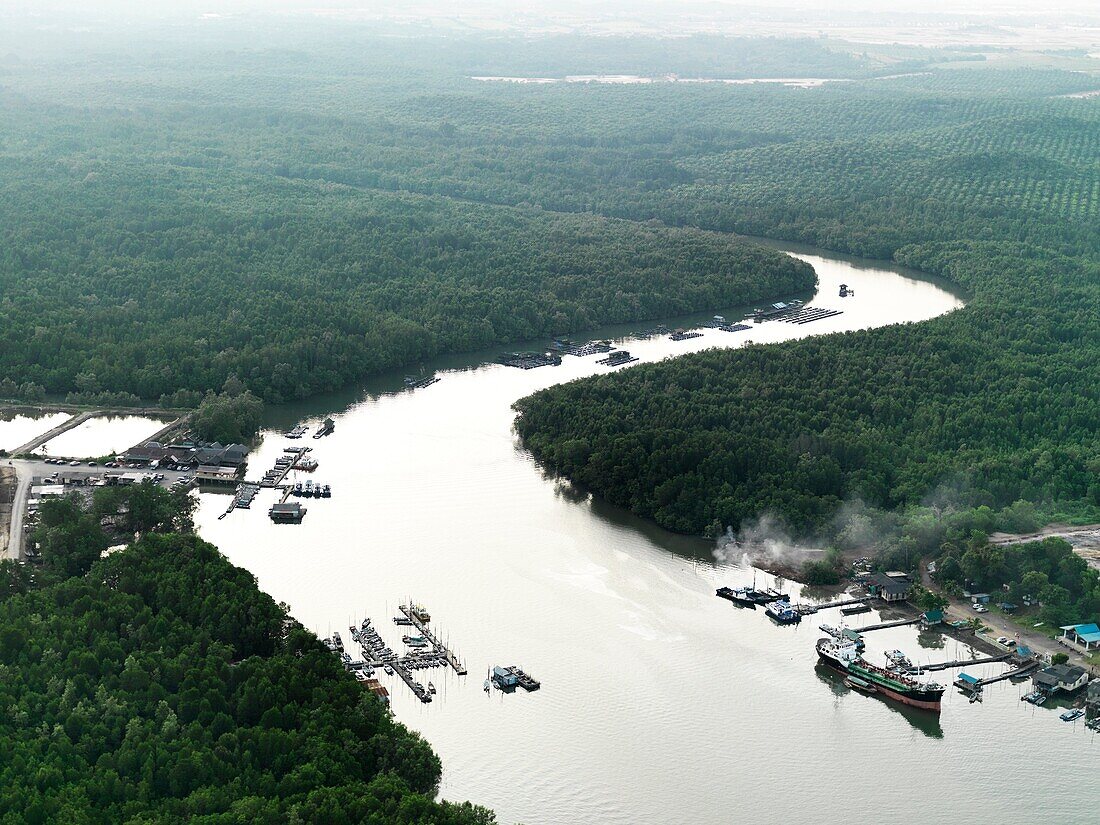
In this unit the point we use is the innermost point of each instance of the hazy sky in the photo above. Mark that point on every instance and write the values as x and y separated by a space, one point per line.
550 8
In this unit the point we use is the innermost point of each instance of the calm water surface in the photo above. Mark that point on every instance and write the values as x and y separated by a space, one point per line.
660 702
102 436
18 428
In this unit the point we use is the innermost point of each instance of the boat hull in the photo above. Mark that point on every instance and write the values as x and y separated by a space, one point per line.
925 700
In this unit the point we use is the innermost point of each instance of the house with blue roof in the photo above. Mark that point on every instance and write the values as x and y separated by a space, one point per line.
1084 637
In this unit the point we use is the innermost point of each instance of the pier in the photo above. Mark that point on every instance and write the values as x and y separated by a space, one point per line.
413 614
884 625
965 662
808 609
283 465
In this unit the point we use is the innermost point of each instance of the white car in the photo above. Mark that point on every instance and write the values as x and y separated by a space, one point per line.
980 608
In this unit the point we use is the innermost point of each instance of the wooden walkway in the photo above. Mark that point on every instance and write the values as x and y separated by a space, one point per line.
884 625
966 662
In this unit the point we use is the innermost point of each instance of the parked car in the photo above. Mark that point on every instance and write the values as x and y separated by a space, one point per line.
1002 640
74 463
980 608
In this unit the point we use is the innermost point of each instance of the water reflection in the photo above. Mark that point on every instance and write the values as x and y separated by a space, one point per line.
924 721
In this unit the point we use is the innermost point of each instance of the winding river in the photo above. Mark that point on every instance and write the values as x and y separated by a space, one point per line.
660 703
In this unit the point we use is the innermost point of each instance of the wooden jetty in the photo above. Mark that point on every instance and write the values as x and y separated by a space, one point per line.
1023 670
808 609
965 662
283 465
413 614
884 625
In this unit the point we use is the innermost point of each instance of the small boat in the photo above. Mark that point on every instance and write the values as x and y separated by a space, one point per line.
485 687
862 685
739 596
783 613
326 492
852 609
388 669
431 688
1072 715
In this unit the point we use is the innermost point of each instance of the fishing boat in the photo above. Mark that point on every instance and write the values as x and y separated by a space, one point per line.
1072 715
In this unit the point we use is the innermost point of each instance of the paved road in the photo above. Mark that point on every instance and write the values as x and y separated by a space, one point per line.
29 472
18 508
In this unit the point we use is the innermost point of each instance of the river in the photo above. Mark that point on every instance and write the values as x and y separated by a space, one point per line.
660 703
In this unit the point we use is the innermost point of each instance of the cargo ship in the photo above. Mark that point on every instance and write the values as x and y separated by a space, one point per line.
842 656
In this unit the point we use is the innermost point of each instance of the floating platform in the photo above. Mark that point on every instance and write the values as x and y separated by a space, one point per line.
582 350
719 322
684 335
808 314
617 359
660 329
530 360
414 383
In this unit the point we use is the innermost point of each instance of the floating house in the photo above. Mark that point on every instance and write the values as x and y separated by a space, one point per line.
1083 637
1066 678
505 677
290 512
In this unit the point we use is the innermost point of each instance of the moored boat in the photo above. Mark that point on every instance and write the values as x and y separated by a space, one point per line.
782 612
843 657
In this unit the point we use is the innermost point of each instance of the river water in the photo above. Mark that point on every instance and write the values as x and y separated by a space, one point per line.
660 703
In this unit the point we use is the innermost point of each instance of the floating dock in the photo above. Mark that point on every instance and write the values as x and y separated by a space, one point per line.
582 350
719 322
530 360
617 359
414 383
808 314
290 460
684 335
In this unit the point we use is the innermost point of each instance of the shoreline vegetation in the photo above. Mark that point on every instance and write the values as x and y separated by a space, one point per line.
158 682
325 210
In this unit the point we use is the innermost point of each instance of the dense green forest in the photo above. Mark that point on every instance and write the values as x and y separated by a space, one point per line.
158 684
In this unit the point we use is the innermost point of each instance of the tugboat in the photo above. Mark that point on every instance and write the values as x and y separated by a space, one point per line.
843 658
739 596
783 613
